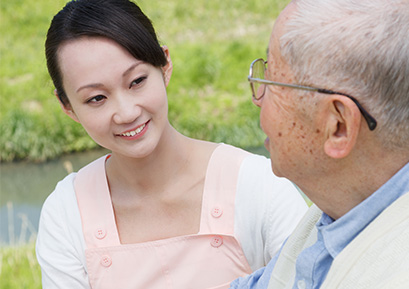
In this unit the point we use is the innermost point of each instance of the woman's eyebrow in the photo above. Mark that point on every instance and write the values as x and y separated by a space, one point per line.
92 85
96 85
132 67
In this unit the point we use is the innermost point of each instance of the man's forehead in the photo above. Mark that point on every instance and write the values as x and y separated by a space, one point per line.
279 26
283 18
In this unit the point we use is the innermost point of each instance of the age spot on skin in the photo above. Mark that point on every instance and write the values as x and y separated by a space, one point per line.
318 131
280 134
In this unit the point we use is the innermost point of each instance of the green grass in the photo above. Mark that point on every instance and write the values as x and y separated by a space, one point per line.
212 43
30 125
19 268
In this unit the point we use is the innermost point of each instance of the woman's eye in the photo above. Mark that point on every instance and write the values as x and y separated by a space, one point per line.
96 99
137 81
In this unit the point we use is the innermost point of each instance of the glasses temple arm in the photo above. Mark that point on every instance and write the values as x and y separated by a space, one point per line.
369 119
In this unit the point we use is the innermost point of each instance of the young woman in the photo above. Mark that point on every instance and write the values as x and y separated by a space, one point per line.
162 210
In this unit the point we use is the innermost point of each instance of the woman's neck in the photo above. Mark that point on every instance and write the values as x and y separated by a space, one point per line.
153 173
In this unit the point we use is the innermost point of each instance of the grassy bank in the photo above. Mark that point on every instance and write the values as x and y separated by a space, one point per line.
19 268
212 43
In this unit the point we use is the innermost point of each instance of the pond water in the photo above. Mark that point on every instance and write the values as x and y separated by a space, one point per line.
25 186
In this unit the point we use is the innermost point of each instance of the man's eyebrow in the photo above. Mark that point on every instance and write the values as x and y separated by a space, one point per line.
95 85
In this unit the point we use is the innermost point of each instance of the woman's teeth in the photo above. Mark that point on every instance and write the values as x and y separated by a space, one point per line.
134 132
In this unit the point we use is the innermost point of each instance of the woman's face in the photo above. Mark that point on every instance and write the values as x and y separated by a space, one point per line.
120 101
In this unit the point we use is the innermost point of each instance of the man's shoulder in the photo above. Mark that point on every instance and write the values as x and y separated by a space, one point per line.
379 255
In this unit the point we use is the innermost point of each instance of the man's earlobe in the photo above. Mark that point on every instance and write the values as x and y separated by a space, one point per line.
66 108
342 128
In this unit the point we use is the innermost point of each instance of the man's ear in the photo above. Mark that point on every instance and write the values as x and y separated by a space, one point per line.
66 108
342 127
168 68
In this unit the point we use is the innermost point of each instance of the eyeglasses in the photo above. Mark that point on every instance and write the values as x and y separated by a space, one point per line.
258 88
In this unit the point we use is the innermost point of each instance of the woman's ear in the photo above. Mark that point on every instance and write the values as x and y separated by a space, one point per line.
342 126
66 108
168 68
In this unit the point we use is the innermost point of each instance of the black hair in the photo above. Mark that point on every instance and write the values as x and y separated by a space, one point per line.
119 20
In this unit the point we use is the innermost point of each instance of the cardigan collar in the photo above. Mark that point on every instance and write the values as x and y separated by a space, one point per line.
339 233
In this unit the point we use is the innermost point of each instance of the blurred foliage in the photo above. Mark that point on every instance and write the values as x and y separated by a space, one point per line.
19 268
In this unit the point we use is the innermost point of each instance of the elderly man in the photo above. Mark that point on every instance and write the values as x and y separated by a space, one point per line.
334 99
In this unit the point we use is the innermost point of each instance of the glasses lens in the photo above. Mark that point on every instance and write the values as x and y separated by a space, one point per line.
258 72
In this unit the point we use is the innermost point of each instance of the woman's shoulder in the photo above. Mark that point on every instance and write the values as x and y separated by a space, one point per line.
260 190
227 153
249 161
60 214
63 194
60 232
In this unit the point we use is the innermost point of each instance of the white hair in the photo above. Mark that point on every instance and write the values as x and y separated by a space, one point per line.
357 47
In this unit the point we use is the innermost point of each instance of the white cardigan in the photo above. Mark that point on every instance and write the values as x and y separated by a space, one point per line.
377 258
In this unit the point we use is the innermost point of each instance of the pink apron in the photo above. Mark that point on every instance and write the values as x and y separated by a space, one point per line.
211 259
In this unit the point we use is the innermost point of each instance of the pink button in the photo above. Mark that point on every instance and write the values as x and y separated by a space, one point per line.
106 261
100 233
217 212
216 241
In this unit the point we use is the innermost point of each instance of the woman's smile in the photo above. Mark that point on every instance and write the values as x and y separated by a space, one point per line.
135 133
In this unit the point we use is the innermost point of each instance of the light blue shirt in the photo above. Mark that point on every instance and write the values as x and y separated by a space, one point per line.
313 263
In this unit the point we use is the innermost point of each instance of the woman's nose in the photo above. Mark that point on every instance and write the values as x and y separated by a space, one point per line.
126 110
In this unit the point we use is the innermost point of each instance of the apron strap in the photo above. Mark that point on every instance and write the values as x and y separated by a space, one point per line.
95 206
220 187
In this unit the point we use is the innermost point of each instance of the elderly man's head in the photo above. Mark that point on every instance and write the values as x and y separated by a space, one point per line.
357 47
357 54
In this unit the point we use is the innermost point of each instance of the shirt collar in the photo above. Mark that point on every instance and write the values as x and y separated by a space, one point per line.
338 234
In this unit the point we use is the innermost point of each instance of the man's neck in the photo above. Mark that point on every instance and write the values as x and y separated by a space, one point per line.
347 186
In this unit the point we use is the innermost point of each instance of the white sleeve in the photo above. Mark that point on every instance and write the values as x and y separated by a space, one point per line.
60 243
268 208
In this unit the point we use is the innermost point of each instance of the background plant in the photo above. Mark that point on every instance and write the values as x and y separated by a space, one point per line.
19 268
